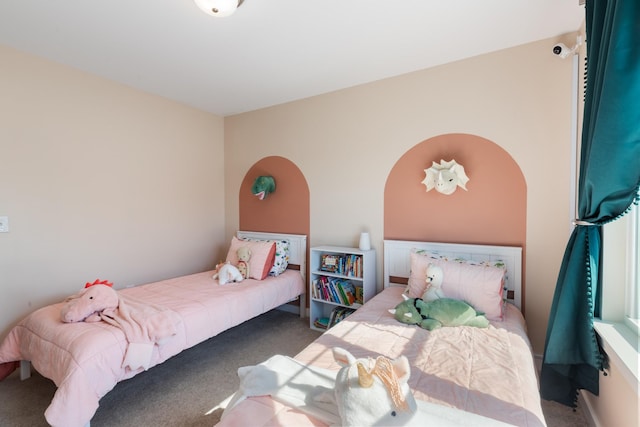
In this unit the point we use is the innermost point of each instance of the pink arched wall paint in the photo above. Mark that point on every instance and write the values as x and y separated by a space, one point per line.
286 210
492 212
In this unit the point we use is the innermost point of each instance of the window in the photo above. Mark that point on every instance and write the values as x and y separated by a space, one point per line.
621 246
632 292
618 326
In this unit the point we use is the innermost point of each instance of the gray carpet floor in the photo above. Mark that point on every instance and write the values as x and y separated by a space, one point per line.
187 389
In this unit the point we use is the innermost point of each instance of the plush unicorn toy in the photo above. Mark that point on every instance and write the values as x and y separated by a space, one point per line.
371 392
376 393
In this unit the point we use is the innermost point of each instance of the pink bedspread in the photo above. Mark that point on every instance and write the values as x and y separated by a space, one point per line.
85 359
485 371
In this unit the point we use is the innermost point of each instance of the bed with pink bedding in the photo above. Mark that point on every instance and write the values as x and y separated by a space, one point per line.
489 371
85 360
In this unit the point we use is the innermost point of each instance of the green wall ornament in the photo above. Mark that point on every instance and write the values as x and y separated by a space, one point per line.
263 186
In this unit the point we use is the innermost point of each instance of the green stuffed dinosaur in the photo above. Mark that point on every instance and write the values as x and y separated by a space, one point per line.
435 314
263 186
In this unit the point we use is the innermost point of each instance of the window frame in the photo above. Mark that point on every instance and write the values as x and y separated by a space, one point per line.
632 291
618 325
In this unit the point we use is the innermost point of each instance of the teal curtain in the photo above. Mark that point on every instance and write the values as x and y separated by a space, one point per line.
607 187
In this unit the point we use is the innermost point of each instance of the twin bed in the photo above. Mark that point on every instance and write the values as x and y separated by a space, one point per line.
85 360
489 371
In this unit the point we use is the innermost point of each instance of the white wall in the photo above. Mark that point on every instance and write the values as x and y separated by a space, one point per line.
100 181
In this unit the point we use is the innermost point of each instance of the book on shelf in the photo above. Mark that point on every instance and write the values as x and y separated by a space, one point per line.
349 292
336 290
330 263
332 316
318 289
340 284
323 292
346 265
321 322
359 293
338 314
325 288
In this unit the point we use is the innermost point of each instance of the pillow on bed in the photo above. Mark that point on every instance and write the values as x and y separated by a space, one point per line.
481 284
281 258
262 255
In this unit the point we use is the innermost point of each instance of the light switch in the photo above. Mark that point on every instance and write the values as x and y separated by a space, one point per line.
4 224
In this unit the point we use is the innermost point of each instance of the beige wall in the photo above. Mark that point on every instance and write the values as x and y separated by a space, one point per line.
618 403
519 98
100 181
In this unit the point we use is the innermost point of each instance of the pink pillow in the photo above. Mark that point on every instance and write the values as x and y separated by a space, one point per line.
262 256
479 284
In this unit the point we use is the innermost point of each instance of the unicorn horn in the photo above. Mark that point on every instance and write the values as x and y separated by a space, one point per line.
365 378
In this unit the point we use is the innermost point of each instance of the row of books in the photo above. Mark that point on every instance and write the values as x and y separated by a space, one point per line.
346 265
337 314
339 291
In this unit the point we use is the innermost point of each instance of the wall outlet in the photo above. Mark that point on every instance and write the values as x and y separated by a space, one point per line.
4 224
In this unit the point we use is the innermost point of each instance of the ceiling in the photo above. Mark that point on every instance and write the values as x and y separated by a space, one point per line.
271 51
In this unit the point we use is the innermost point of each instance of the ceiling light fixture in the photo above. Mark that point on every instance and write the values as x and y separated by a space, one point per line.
218 8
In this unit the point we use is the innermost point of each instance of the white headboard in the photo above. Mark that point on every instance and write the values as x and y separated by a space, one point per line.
297 246
397 261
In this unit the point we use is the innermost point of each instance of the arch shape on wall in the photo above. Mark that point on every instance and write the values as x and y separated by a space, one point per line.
286 210
492 212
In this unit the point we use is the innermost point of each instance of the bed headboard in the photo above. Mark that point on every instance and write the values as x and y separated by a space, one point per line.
397 261
297 246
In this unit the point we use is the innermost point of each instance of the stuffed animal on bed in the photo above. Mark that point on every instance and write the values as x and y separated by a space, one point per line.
227 273
435 276
369 392
372 392
435 314
244 255
86 305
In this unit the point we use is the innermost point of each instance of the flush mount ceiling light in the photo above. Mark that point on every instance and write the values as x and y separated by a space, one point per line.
218 8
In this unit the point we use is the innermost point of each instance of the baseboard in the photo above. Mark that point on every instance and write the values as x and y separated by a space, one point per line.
537 360
587 410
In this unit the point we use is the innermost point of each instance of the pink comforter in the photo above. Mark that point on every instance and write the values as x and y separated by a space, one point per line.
485 371
85 359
